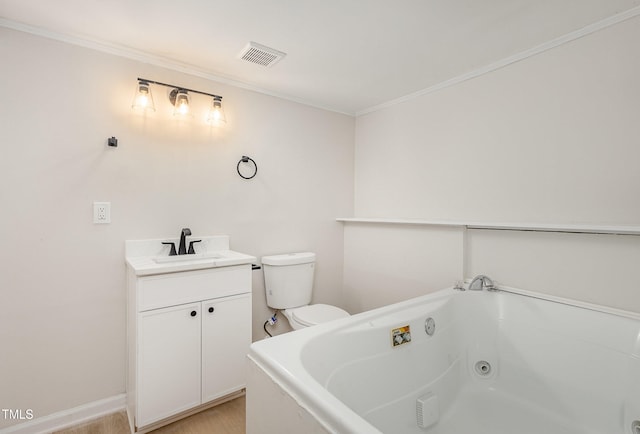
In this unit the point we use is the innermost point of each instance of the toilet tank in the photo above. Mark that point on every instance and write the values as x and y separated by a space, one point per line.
288 279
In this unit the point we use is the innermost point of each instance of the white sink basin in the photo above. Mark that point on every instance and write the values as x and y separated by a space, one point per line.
184 258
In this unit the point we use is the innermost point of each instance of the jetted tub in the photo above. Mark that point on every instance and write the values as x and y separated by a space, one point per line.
495 363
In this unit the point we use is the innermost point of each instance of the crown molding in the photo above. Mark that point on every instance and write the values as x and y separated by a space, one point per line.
164 62
584 31
133 54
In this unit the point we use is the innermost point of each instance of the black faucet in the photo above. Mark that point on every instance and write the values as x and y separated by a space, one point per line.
182 250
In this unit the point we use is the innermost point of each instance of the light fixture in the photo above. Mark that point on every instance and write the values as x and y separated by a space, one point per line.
216 113
143 100
180 99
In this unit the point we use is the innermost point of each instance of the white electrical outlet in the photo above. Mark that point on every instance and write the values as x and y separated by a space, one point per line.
102 212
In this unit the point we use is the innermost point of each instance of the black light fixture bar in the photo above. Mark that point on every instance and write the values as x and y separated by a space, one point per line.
177 87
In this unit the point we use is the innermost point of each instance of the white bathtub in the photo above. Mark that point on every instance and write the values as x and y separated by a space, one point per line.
555 368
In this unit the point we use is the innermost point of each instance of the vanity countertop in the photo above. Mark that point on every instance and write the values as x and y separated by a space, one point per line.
147 257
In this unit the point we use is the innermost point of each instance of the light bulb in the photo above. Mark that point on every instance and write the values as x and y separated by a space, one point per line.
143 99
216 113
182 103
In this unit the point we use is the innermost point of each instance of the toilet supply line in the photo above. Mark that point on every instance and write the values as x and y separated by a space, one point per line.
271 321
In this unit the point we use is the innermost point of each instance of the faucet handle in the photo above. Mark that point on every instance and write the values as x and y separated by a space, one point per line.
172 252
489 285
459 286
191 250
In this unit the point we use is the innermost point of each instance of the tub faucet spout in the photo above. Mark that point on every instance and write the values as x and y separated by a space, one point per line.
182 250
482 282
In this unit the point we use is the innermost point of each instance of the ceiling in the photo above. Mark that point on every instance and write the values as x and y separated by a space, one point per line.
342 55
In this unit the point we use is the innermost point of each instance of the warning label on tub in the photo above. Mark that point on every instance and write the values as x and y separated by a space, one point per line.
400 335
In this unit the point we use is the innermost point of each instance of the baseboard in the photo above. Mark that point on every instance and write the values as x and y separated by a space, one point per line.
67 418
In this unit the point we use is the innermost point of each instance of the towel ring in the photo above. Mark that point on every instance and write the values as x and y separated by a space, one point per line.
246 159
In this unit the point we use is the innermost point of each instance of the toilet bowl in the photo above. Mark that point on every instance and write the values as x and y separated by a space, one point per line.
312 314
288 282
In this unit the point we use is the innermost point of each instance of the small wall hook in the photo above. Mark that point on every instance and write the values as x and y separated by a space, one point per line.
112 141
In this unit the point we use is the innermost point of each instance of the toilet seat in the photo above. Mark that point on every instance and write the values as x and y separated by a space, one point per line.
313 314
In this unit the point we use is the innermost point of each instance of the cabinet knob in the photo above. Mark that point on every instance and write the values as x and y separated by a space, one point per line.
194 313
211 309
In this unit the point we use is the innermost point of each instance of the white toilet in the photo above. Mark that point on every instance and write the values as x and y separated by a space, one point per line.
288 281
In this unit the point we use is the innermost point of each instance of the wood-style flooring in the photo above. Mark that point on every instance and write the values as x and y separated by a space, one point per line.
227 418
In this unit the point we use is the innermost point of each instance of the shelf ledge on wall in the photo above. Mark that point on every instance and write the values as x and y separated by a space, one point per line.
536 227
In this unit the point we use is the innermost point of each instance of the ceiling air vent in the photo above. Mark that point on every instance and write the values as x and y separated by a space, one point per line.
261 55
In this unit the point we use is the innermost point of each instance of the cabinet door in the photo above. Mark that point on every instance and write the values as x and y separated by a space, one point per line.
226 336
169 360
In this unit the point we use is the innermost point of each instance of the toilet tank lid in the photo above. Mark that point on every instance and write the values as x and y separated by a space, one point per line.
289 259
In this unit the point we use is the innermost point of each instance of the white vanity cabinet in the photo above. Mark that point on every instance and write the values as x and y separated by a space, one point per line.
226 336
188 335
168 362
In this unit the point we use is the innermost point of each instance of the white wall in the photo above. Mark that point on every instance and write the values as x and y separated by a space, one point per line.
552 138
62 315
384 264
600 269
